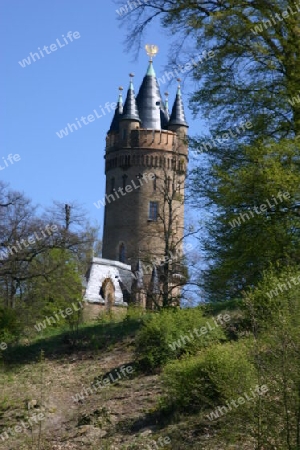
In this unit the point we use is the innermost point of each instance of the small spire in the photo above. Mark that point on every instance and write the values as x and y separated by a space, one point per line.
179 86
118 112
130 110
177 115
120 99
131 75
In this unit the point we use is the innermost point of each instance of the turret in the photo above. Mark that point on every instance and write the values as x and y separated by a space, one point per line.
130 119
177 119
118 113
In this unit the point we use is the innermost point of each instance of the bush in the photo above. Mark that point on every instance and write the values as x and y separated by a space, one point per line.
10 327
220 373
171 334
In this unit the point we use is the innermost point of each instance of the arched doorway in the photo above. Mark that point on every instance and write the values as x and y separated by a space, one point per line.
108 293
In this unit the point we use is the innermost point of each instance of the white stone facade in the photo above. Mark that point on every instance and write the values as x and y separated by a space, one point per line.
104 271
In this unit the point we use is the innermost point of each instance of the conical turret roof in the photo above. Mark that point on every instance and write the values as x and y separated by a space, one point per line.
130 110
177 115
149 101
118 112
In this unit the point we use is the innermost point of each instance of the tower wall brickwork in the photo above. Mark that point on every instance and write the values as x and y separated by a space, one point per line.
132 162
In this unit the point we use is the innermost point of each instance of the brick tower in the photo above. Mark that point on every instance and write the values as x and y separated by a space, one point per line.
145 165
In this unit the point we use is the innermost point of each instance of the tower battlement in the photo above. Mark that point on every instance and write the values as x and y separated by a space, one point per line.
144 139
146 148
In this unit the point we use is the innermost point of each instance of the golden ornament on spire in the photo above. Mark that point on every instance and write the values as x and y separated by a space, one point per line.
151 50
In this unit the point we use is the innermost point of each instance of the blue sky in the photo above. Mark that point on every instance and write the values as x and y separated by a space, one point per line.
71 81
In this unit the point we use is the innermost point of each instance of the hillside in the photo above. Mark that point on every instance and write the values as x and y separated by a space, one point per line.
121 415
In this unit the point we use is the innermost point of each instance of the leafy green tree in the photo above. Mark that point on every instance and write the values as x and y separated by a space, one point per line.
255 68
245 58
256 216
51 295
274 310
43 257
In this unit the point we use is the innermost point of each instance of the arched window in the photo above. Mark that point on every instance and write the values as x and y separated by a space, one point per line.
122 255
154 182
169 183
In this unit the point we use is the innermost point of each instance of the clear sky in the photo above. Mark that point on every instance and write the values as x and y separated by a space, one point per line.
72 80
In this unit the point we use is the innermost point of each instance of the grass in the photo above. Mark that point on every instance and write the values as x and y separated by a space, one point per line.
59 342
126 415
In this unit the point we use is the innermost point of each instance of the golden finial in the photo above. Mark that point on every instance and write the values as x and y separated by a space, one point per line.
151 50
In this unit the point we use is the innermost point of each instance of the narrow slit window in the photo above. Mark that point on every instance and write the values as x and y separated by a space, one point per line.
153 211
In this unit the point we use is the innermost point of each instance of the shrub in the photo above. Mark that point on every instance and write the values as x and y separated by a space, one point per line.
171 334
219 373
10 327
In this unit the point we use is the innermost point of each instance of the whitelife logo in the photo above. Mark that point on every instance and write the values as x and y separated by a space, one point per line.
55 318
222 410
110 107
32 239
120 373
53 47
128 188
11 158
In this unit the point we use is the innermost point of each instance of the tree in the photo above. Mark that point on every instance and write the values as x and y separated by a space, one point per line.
172 271
273 308
163 261
28 242
255 68
256 217
248 91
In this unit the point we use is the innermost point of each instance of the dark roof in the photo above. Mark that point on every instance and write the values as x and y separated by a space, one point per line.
177 115
148 107
130 110
118 112
149 101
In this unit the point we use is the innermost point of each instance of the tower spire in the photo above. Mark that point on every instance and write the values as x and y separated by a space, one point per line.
149 100
177 115
118 112
130 110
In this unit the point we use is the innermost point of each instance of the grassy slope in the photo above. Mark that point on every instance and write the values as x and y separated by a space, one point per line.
124 415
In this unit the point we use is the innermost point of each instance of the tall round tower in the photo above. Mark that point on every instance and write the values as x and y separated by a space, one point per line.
145 165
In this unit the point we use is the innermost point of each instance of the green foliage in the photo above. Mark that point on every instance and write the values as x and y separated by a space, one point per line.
251 78
274 303
244 239
274 309
253 69
10 327
170 334
219 373
50 296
